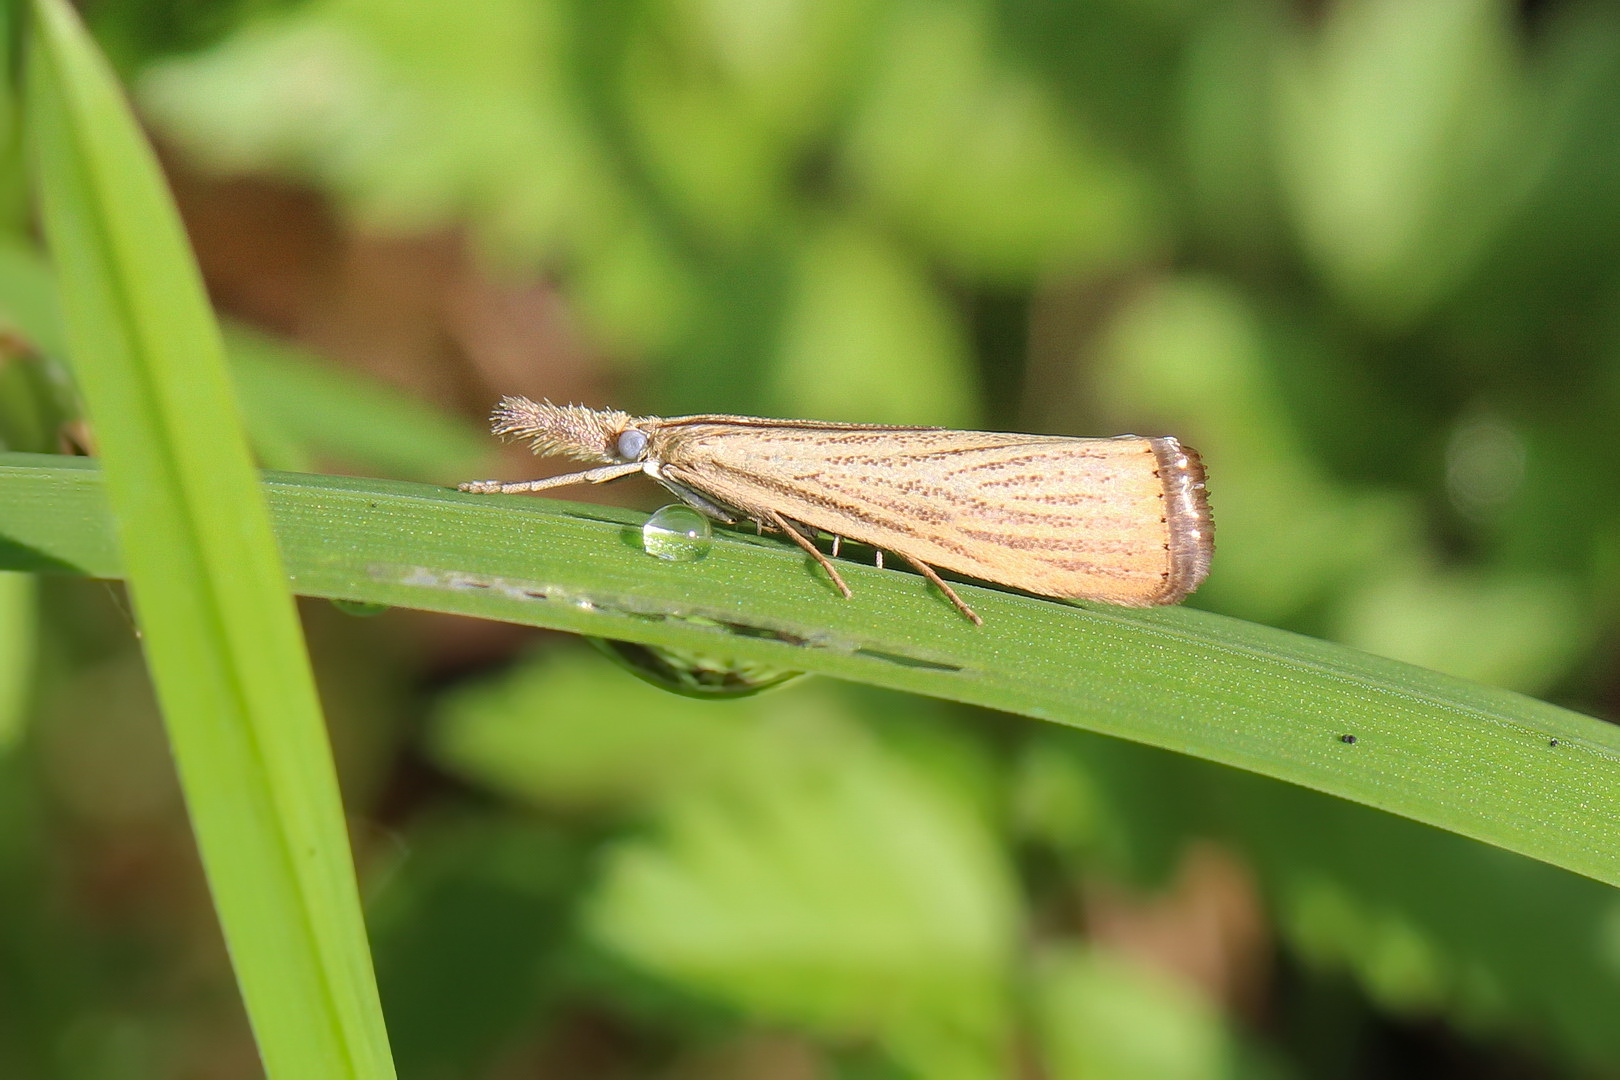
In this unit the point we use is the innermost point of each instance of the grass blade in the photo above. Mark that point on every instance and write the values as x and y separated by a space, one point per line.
219 629
1485 763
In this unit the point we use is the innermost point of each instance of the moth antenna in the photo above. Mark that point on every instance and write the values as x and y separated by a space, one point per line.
574 431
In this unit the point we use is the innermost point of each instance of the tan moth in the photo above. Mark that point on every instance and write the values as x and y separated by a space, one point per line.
1123 520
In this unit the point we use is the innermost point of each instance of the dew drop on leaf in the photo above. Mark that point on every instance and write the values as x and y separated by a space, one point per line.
677 533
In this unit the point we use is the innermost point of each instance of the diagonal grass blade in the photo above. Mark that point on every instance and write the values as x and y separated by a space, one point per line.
218 626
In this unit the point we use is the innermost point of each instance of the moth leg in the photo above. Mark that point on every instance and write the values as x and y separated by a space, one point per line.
877 558
589 476
939 582
815 553
837 541
706 507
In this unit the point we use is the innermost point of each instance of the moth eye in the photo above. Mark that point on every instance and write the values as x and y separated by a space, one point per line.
632 444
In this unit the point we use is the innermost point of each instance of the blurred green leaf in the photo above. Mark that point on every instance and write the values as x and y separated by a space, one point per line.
299 401
1520 631
1226 136
1107 806
868 339
787 64
1407 137
218 626
975 159
554 732
402 109
28 303
1427 923
417 116
14 214
705 144
36 396
471 926
19 625
36 406
826 883
1103 1017
298 408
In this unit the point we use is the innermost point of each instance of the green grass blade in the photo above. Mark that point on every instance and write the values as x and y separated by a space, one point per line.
18 617
219 629
1467 758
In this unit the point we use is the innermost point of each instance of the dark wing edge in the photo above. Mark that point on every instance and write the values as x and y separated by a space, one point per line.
1191 540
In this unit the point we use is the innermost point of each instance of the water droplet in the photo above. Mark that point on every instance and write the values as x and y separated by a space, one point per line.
677 533
694 672
362 608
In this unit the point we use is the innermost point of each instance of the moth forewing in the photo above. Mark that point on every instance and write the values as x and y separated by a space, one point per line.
1123 520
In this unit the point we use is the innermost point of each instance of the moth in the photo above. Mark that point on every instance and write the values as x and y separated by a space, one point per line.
1123 520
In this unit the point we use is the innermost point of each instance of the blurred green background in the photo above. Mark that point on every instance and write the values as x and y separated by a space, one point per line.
1364 255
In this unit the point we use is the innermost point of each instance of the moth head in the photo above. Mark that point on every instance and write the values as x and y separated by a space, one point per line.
573 430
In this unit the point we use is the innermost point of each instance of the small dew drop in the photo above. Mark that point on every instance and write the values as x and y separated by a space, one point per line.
677 533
